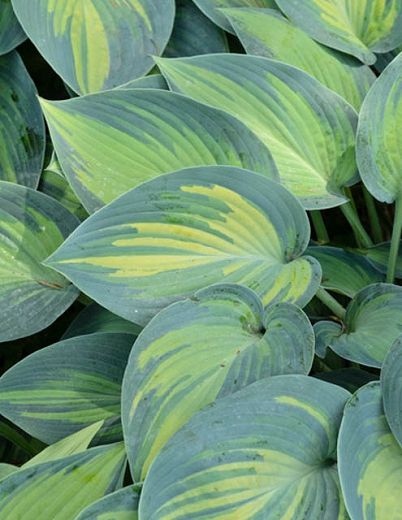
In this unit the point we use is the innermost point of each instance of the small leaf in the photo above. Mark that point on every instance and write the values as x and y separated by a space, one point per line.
120 505
184 231
391 385
266 451
370 459
222 342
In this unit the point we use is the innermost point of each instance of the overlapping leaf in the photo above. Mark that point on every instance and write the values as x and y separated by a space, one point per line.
72 384
360 28
392 388
120 505
378 256
370 459
11 33
60 489
349 378
309 129
267 451
32 226
265 32
201 349
373 322
22 131
110 142
180 232
97 45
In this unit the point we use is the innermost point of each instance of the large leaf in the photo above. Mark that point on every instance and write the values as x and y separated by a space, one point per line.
265 32
95 318
373 322
309 129
180 232
96 45
213 9
32 226
222 341
193 33
62 388
357 27
378 256
265 452
60 489
22 131
110 142
370 459
392 388
344 272
379 139
11 33
120 505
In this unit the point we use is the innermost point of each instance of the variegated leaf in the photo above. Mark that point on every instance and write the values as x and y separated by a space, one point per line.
11 33
120 505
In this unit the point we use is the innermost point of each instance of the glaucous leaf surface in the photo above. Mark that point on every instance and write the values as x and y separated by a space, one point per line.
67 386
194 33
156 81
369 459
202 349
97 44
379 139
11 33
309 129
22 131
32 226
391 385
372 323
60 489
120 505
213 9
360 28
183 231
110 142
265 452
95 318
378 257
264 32
344 272
7 469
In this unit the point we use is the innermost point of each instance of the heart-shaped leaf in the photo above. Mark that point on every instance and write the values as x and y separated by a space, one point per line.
120 505
60 489
265 32
22 131
96 45
11 33
309 129
181 232
392 388
110 142
370 459
267 451
201 349
359 27
32 226
60 389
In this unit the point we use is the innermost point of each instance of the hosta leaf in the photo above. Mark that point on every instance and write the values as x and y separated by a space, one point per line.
193 33
325 332
392 388
95 318
62 388
213 9
60 489
373 322
32 226
222 342
266 451
136 135
265 32
308 128
11 33
358 27
120 505
7 469
379 138
344 272
96 45
378 256
152 81
22 131
180 232
370 459
75 443
349 378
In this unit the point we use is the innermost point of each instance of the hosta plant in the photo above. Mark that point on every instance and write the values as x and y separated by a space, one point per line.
200 297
